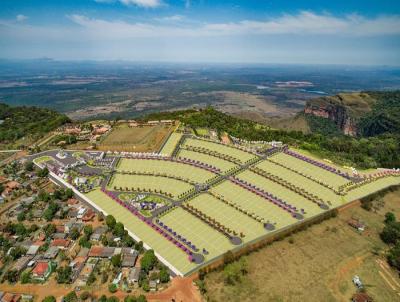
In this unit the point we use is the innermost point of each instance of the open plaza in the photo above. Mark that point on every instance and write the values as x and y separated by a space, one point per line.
198 198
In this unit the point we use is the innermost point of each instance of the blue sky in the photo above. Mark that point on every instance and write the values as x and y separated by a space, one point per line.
365 32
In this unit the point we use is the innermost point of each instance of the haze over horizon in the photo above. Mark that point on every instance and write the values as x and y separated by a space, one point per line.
286 32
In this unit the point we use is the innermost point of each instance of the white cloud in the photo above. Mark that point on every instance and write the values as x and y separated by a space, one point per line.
21 18
142 3
304 23
173 18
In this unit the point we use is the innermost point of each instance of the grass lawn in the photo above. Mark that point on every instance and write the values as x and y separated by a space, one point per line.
137 139
254 203
228 216
309 169
157 242
219 163
318 265
186 171
299 180
372 187
171 143
43 159
198 232
173 186
243 156
280 191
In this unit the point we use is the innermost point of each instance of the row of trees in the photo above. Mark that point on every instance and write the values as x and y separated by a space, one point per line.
391 235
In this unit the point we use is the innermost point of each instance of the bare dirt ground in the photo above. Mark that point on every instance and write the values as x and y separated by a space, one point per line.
319 264
137 139
181 290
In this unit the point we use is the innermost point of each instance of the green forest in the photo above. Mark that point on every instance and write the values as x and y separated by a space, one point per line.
366 152
385 115
29 122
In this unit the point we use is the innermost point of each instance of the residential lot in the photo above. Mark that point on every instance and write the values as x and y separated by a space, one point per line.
318 264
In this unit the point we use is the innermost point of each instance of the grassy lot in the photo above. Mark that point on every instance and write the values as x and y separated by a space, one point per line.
254 203
222 149
170 168
228 216
137 139
298 180
198 232
310 169
317 264
43 159
157 242
281 192
219 163
171 143
148 182
372 187
203 131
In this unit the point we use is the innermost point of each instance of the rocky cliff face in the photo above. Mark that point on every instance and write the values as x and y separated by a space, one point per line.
337 114
343 109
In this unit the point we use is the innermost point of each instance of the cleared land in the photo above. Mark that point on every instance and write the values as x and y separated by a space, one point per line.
149 182
170 145
185 171
318 265
298 180
309 169
228 216
136 139
372 187
156 241
219 163
226 205
238 154
285 194
254 203
198 232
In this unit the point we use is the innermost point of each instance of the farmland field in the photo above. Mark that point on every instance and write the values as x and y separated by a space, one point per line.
136 139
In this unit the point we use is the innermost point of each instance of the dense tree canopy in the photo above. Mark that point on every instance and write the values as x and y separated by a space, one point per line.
27 121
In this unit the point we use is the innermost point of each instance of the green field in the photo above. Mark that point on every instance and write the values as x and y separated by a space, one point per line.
219 163
170 145
157 242
254 203
223 204
281 192
228 216
298 180
238 154
185 171
199 233
148 182
326 177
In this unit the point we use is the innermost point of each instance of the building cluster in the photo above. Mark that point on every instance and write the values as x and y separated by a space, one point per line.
47 233
85 132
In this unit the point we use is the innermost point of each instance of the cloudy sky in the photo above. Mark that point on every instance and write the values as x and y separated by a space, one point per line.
365 32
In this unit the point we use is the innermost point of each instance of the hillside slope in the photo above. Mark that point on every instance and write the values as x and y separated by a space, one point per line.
360 113
21 125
